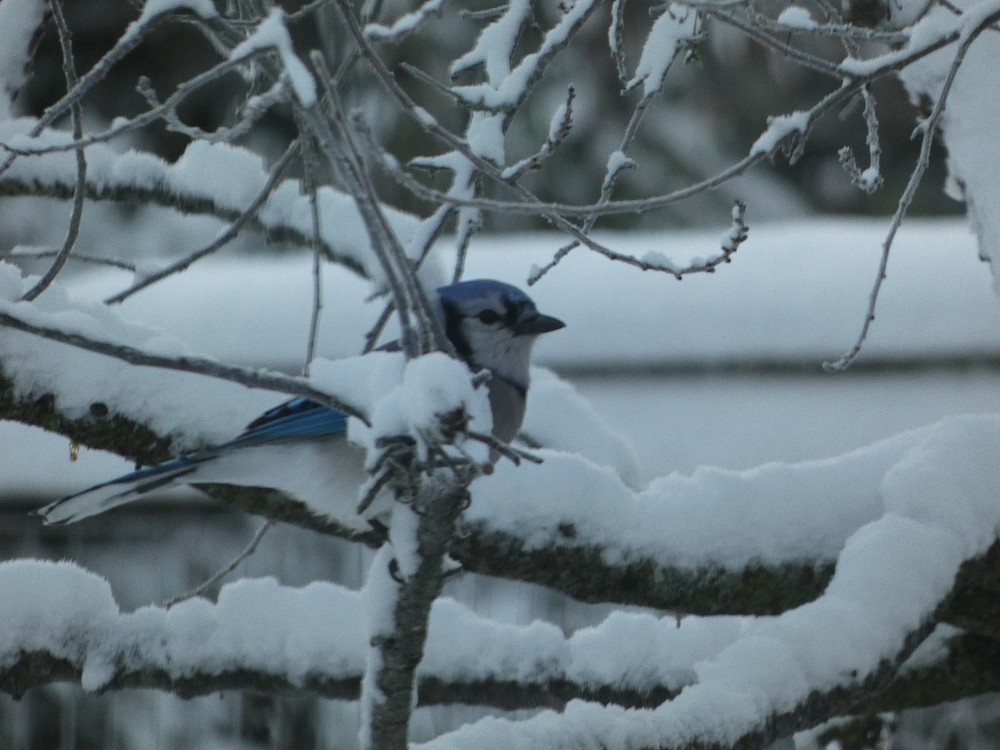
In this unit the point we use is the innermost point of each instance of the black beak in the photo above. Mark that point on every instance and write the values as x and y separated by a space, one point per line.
536 325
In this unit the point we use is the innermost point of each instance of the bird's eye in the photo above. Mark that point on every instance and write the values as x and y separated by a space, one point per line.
489 317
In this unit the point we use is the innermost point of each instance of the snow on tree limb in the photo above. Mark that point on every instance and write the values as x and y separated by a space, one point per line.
142 178
263 636
891 578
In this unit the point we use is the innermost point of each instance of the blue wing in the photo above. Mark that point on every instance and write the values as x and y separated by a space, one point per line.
297 419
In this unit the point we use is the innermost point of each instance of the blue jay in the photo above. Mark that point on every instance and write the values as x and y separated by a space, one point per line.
492 326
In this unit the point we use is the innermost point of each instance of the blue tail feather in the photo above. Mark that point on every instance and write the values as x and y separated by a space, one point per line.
298 419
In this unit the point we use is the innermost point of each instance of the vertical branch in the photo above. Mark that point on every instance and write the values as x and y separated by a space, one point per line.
400 630
385 244
79 190
429 333
309 169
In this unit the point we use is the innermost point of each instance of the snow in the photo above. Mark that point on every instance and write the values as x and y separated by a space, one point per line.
432 386
47 606
918 502
764 665
862 619
937 302
656 259
317 631
966 143
897 517
379 598
271 33
153 8
796 17
66 611
405 24
779 128
493 48
558 417
778 512
205 173
927 33
155 397
485 136
675 26
503 92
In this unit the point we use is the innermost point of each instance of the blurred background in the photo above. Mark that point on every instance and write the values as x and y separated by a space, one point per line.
722 370
714 106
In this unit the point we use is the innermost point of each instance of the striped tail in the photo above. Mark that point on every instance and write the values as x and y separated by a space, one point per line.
124 489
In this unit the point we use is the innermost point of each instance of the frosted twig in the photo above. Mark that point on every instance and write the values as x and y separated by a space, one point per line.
75 257
429 334
430 230
127 42
405 25
431 81
616 32
213 579
616 165
749 29
223 239
954 9
559 130
252 110
558 212
512 453
310 166
927 129
868 180
163 110
469 223
840 31
385 244
306 10
485 14
79 191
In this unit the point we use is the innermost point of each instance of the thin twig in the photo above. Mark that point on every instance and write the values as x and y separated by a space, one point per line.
384 241
224 571
127 42
310 179
75 257
79 191
508 451
223 239
245 376
928 128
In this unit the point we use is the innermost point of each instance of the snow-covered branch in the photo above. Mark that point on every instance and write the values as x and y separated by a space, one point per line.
259 635
142 178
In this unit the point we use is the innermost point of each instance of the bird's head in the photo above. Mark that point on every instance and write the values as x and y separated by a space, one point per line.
493 325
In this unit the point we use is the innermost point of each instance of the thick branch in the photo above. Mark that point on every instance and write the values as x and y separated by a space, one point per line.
967 669
964 665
